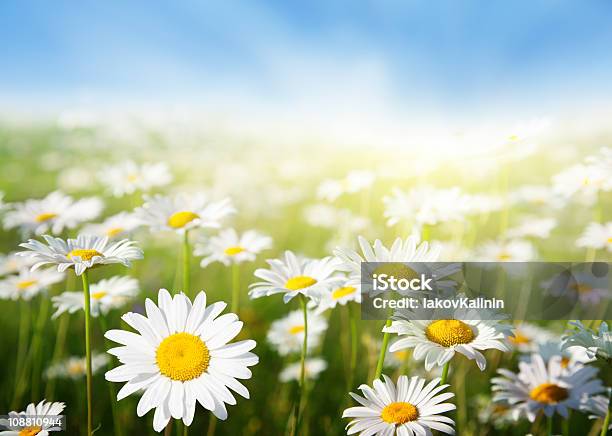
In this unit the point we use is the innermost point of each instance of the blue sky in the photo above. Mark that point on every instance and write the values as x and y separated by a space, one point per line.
448 57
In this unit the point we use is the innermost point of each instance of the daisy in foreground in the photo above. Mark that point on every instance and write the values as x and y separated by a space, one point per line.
84 252
448 331
293 276
183 212
230 248
408 409
181 355
545 387
42 409
105 295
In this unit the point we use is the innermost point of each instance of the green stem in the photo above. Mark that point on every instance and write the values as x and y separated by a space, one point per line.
87 298
60 341
606 424
445 372
383 352
301 386
111 386
353 327
186 272
22 345
565 424
235 287
186 430
37 345
212 425
549 425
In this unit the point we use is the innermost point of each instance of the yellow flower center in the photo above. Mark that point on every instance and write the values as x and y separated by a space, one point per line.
132 177
564 362
30 431
296 329
114 231
99 295
231 251
449 332
182 356
610 240
400 355
343 292
519 338
548 393
397 270
44 217
513 138
76 368
25 284
399 413
583 288
181 219
299 282
84 254
503 256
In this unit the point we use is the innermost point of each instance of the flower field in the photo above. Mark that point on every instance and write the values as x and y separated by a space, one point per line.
161 277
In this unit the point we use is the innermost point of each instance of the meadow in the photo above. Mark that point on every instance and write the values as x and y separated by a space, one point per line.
525 195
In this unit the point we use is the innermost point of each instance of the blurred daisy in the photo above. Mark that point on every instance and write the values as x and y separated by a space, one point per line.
598 406
330 190
105 295
545 387
75 367
587 179
13 263
84 252
533 226
228 247
527 337
51 214
128 177
115 227
597 236
597 343
181 355
355 181
183 212
292 276
514 250
408 409
287 334
396 359
342 294
489 412
424 205
570 357
536 195
326 216
312 368
476 204
439 334
42 409
28 284
583 286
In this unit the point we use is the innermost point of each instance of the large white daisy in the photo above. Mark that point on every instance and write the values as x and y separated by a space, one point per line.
183 212
228 247
436 335
408 409
84 252
597 343
42 409
287 334
51 214
545 387
105 295
181 355
28 284
128 177
292 276
115 227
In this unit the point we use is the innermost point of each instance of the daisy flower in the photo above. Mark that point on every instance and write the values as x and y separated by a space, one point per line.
570 356
183 212
42 409
436 335
84 252
342 294
52 214
533 226
230 248
181 355
408 409
115 227
598 406
527 337
536 195
587 179
28 284
287 334
545 387
128 177
597 343
326 216
330 190
312 368
597 236
425 205
514 250
12 263
105 295
75 367
583 286
292 276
